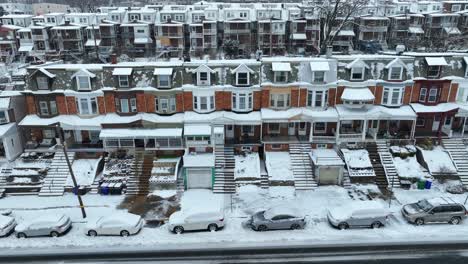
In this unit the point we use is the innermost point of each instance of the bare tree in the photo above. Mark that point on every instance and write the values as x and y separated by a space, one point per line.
335 16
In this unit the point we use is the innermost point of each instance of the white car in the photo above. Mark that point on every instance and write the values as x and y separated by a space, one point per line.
7 225
180 221
359 214
52 225
119 224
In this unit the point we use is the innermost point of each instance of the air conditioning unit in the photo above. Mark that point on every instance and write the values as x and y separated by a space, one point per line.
203 82
164 111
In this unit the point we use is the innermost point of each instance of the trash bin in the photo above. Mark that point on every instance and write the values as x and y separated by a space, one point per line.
104 189
421 184
75 190
428 184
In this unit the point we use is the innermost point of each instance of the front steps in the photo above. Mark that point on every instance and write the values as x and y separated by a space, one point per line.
302 169
138 182
54 182
457 149
386 160
380 176
224 170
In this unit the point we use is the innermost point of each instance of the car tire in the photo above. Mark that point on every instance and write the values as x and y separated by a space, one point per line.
92 233
212 227
21 235
455 220
54 234
295 226
343 226
419 221
178 230
124 233
376 225
262 228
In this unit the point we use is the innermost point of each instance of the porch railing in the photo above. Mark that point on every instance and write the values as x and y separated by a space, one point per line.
323 139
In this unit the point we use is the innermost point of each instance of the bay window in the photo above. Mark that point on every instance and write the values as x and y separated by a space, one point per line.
393 96
47 107
203 103
432 95
126 105
422 94
242 101
280 100
87 106
317 98
165 104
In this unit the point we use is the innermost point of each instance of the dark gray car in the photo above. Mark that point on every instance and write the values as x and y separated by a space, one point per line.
276 219
436 210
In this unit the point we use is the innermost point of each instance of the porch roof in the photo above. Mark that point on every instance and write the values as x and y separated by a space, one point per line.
357 94
224 117
300 114
7 128
133 133
439 108
68 122
376 112
197 130
154 118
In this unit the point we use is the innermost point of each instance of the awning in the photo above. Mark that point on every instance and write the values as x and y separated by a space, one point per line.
91 42
319 66
132 133
415 30
357 94
122 71
299 36
436 61
25 48
452 30
162 71
142 41
439 108
281 66
197 130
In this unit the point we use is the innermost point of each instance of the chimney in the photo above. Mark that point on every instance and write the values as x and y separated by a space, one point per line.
113 57
329 51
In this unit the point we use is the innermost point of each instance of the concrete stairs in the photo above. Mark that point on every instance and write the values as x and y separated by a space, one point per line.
346 180
264 180
224 170
380 176
94 188
54 182
304 178
138 182
387 162
457 149
3 173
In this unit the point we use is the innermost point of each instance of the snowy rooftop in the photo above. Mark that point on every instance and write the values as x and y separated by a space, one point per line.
436 61
140 133
199 160
362 94
325 157
439 108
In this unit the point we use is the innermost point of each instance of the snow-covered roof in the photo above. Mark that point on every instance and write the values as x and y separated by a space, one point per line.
286 209
357 94
242 68
299 36
319 66
416 30
163 71
325 157
4 102
122 71
142 40
436 61
199 160
439 108
203 68
376 112
281 66
224 117
26 48
357 158
68 122
396 61
197 130
84 72
319 115
46 72
6 128
92 42
358 62
452 30
140 133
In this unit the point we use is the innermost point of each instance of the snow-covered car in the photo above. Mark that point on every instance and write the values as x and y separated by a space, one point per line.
180 221
53 225
435 210
119 224
7 225
360 214
276 218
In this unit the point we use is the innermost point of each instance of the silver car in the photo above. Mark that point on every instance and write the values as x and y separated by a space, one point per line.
276 218
49 225
436 210
360 214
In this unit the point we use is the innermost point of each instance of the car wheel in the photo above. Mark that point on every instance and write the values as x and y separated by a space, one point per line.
213 227
178 230
295 226
21 235
376 225
419 221
124 233
455 220
343 226
54 234
262 228
92 233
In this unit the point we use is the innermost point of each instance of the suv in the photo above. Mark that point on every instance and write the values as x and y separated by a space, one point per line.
436 210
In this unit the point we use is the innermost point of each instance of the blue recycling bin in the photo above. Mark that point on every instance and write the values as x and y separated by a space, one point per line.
75 190
428 184
105 190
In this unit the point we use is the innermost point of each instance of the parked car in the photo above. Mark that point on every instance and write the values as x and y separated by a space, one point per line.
180 221
360 214
49 225
435 210
119 224
7 225
280 217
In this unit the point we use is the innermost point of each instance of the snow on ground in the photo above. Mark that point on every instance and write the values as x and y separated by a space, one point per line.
438 160
409 167
278 165
357 158
84 170
247 166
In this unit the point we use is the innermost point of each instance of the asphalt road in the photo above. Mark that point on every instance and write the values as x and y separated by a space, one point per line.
350 253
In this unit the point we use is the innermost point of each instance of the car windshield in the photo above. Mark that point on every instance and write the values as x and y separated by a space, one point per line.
424 205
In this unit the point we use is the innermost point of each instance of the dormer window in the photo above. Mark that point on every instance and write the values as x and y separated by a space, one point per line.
396 73
434 66
433 71
319 69
242 78
42 83
281 71
357 73
83 83
203 73
123 81
203 78
163 76
318 76
3 117
281 77
122 75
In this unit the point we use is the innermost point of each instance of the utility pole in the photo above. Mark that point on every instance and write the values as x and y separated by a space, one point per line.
70 169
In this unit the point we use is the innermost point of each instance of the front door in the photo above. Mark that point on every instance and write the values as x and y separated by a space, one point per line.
229 131
291 129
435 124
302 129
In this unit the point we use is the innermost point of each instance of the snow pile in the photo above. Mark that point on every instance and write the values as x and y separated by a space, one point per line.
247 166
279 167
85 171
409 167
438 160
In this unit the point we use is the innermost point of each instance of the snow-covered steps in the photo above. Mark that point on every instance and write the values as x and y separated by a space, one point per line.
302 169
457 150
380 176
386 160
54 182
224 170
264 179
3 174
138 182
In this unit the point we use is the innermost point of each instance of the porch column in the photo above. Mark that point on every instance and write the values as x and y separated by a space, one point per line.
441 124
364 129
261 131
337 132
311 133
463 127
377 129
413 129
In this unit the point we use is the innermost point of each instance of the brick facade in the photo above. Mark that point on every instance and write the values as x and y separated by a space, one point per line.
101 105
150 103
141 102
71 105
188 101
31 105
110 102
61 105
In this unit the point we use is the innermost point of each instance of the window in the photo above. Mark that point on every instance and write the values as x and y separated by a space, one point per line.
242 101
318 76
165 104
203 78
87 106
317 98
83 83
420 122
47 108
133 105
164 81
357 73
274 128
393 96
3 117
422 94
42 83
279 100
125 105
203 103
247 130
281 76
395 73
432 95
123 81
320 127
433 71
242 78
456 8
